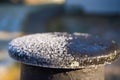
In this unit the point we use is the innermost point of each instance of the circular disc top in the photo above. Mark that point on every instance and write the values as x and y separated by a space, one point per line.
63 50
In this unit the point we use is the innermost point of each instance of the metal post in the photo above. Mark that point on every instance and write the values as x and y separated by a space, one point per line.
39 73
63 56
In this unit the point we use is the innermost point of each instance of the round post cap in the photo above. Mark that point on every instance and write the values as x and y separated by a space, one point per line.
63 50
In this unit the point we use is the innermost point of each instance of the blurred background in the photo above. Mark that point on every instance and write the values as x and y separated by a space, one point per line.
22 17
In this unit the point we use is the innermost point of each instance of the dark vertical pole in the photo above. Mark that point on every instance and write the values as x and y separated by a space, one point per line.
39 73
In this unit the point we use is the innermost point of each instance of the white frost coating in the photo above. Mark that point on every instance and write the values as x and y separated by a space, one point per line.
41 47
74 63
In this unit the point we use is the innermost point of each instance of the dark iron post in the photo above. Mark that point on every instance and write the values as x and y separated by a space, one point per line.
39 73
63 56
